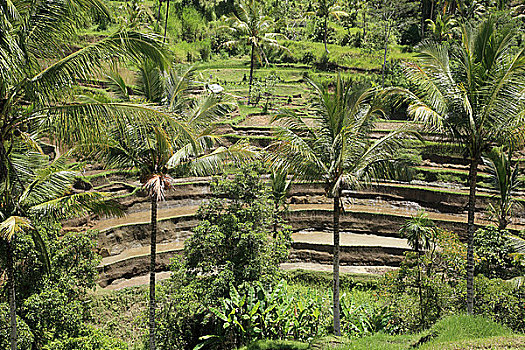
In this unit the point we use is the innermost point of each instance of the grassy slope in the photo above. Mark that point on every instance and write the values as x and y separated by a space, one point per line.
454 332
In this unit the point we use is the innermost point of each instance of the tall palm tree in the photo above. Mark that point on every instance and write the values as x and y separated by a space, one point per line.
504 178
35 189
325 10
185 146
474 96
251 26
336 148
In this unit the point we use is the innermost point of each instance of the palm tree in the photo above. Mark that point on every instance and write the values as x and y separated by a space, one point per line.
35 189
36 92
325 9
336 150
250 26
474 96
504 178
420 233
185 146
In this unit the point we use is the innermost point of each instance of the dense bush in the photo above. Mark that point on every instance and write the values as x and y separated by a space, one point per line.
444 290
51 304
497 256
89 339
25 336
231 246
287 312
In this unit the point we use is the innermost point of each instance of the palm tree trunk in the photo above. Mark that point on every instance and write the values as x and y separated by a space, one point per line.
152 266
251 73
325 27
166 19
12 298
158 13
419 289
473 174
336 303
383 73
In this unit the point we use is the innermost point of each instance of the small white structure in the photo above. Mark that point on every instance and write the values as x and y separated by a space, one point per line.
215 88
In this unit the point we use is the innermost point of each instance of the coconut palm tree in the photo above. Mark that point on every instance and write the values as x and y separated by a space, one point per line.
35 189
472 94
335 148
504 178
185 146
250 26
325 10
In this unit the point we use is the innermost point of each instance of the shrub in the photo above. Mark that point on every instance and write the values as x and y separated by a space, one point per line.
25 337
91 339
276 345
496 254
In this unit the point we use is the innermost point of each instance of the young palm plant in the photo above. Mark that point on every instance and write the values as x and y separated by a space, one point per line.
336 149
504 178
473 95
250 26
420 233
185 146
35 190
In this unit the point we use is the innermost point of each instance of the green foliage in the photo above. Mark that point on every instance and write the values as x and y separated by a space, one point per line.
90 339
318 279
25 336
276 345
497 256
231 244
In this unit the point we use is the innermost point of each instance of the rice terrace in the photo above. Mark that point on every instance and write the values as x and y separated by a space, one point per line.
262 174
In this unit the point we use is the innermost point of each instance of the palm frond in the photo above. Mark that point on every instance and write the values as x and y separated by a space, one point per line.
13 225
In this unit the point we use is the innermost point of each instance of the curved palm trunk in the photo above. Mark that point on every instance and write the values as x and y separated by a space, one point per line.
325 26
473 174
12 301
251 74
336 303
152 265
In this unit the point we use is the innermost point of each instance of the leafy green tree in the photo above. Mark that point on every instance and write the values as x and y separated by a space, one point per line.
505 179
442 26
250 26
231 248
473 95
232 243
336 150
34 190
